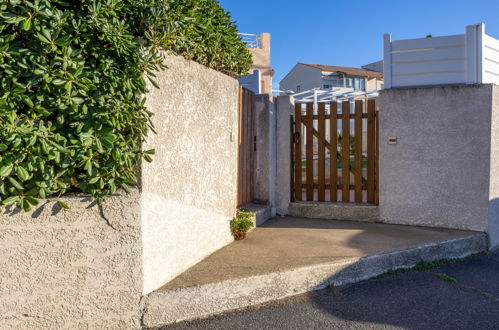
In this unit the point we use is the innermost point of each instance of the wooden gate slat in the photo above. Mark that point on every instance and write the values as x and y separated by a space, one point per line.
333 141
345 150
309 152
338 154
371 140
358 151
252 147
240 149
376 170
310 179
298 153
321 194
246 152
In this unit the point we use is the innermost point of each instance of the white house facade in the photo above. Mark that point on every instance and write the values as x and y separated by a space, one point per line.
304 76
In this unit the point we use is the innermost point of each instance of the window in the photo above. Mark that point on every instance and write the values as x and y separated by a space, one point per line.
298 88
325 86
358 83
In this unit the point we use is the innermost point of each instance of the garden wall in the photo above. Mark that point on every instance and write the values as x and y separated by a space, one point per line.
88 267
189 191
443 170
71 269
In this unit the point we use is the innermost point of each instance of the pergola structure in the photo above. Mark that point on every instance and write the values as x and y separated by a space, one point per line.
331 94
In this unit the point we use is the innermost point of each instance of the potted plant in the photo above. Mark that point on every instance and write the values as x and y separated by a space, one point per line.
241 224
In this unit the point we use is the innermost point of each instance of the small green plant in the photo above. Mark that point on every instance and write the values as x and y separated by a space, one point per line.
427 265
445 277
333 289
241 223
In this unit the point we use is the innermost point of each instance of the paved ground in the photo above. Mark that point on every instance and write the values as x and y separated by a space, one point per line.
411 300
287 243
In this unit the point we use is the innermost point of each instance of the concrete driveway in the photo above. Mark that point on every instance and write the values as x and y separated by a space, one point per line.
459 295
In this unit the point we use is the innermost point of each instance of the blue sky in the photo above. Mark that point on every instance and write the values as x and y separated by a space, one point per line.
349 33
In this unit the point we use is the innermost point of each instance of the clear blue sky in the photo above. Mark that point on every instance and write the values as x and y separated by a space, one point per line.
349 33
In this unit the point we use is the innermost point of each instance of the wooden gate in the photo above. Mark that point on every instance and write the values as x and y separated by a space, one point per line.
335 152
246 143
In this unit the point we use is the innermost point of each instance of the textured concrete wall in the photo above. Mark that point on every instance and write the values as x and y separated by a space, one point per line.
285 106
69 269
83 268
438 172
273 155
265 160
190 189
493 227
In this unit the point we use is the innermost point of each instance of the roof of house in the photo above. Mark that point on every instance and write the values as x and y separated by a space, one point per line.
358 72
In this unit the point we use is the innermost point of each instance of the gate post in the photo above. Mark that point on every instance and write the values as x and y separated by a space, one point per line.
285 106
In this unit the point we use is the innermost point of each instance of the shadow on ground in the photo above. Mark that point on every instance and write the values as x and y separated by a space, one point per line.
412 300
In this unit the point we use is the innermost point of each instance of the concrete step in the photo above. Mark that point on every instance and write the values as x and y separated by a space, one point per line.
268 266
336 211
263 212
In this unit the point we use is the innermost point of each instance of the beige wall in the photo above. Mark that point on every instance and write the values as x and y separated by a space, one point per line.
373 84
190 189
261 61
68 269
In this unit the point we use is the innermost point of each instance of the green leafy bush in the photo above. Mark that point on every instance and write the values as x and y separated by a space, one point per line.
199 30
72 86
241 223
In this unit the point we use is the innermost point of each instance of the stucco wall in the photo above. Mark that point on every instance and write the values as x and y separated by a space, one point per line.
83 268
438 172
68 269
285 107
190 189
494 173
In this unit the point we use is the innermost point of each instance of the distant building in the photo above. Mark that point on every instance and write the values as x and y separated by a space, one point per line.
259 47
304 76
375 66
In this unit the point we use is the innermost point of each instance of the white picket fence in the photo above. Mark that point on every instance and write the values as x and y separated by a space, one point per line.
469 58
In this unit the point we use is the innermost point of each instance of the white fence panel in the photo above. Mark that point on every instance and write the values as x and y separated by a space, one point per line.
491 78
468 58
428 67
491 60
428 43
441 54
428 79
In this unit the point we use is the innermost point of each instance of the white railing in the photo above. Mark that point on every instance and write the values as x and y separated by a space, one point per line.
470 58
251 40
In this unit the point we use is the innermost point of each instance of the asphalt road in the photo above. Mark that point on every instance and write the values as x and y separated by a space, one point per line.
411 300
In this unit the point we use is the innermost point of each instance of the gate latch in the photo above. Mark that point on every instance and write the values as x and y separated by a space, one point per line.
296 138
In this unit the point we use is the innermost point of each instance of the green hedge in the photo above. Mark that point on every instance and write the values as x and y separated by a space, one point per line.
72 86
